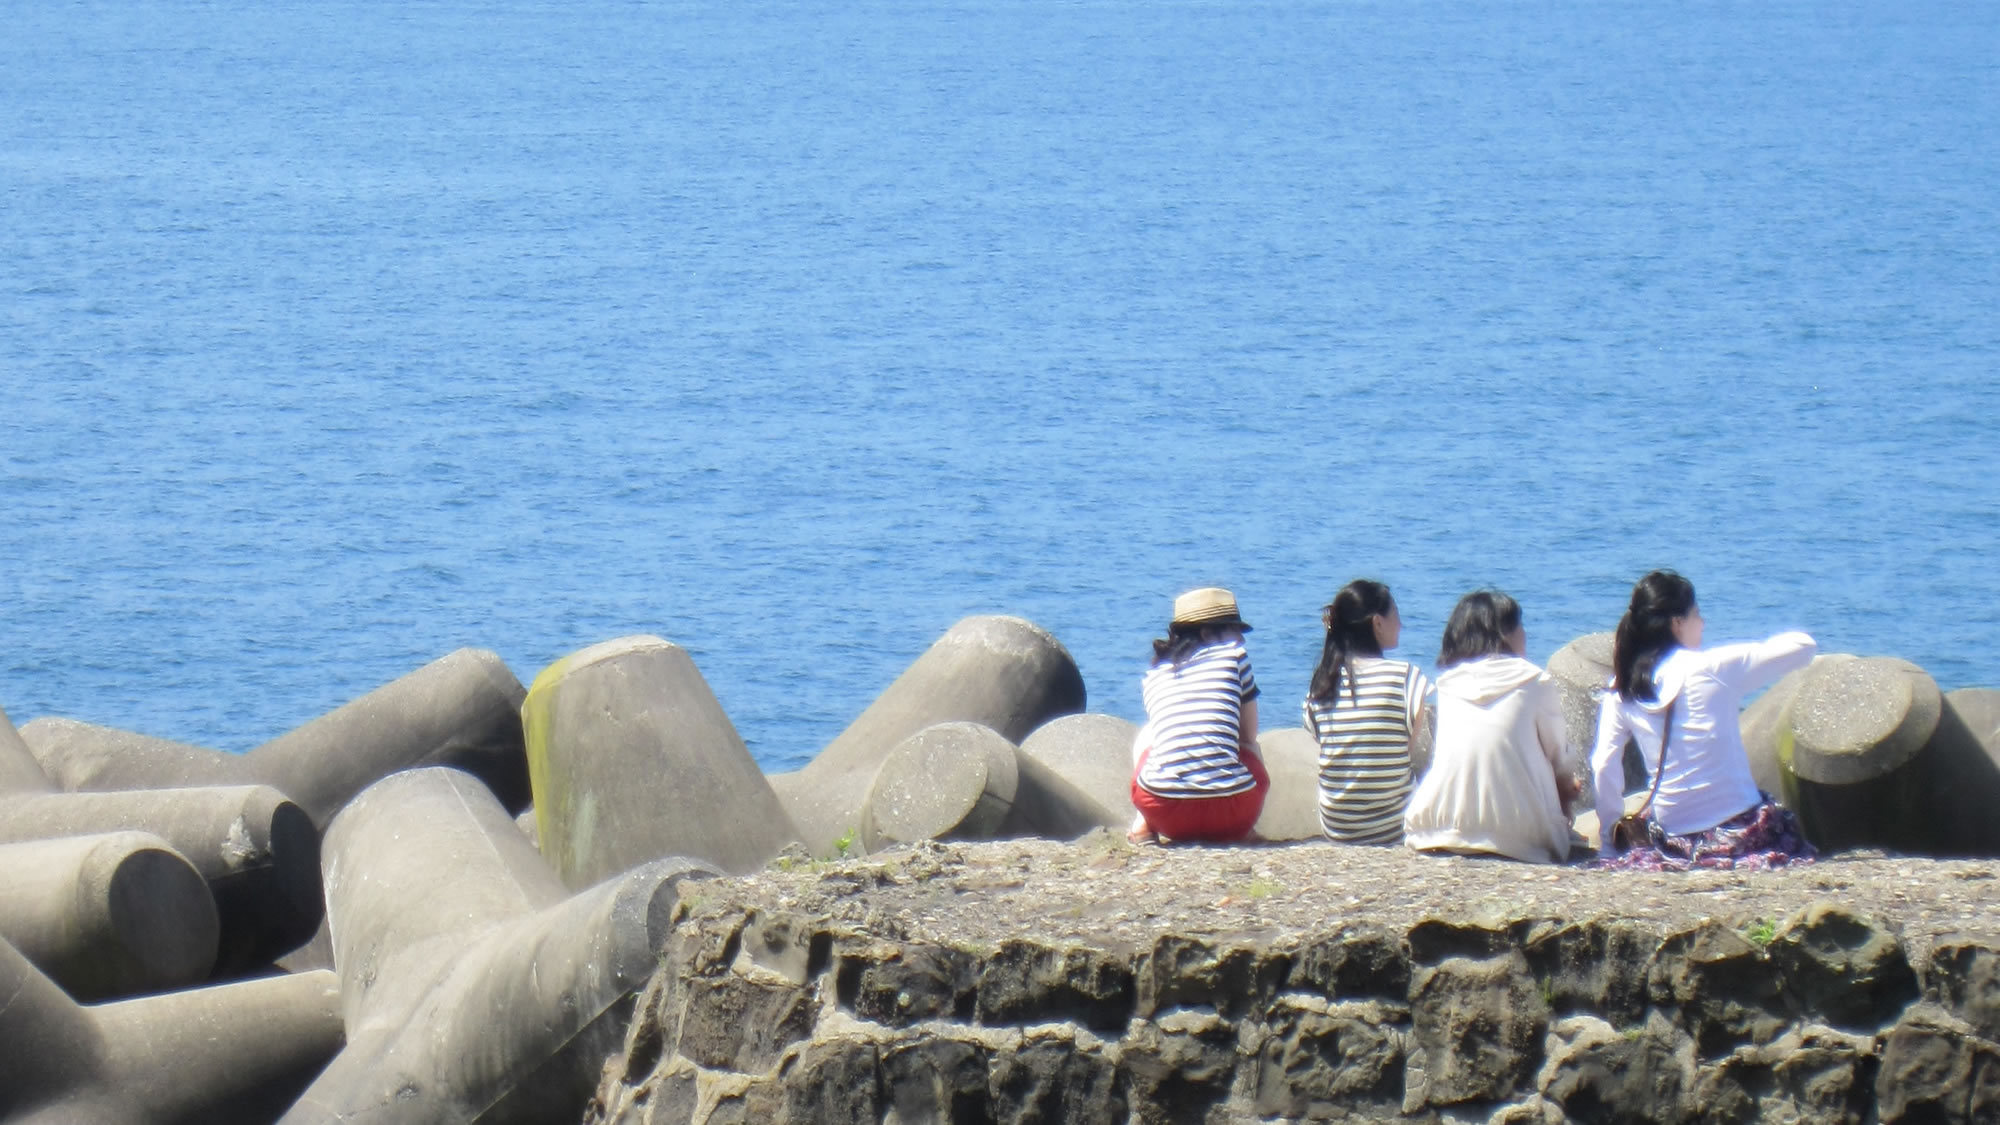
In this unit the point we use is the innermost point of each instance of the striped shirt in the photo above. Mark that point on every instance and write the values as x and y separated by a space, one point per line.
1364 749
1195 710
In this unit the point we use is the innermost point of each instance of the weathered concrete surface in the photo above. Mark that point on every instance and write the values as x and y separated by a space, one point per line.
951 781
258 852
1979 710
19 773
1961 771
1093 753
108 916
474 986
1002 672
1870 753
236 1052
1767 733
962 781
461 710
633 759
1857 719
1291 809
1582 671
1030 981
85 757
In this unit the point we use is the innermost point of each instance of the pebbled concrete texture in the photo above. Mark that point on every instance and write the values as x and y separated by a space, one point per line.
1093 753
958 982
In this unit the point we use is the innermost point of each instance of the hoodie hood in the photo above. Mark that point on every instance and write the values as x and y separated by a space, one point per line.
1486 679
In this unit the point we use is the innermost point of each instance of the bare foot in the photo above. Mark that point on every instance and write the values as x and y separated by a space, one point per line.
1143 837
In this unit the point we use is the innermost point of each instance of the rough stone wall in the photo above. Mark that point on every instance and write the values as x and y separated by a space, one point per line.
760 1015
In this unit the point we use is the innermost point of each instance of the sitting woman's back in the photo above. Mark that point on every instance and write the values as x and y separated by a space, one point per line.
1493 785
1365 710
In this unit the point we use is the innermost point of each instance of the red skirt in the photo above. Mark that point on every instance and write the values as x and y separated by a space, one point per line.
1212 820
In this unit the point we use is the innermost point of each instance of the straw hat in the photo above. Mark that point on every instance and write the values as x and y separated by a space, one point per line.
1208 605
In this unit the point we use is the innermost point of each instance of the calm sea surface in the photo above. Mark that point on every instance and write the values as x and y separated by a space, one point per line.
335 336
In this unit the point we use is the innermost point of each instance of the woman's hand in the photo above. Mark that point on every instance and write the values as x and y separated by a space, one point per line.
1568 788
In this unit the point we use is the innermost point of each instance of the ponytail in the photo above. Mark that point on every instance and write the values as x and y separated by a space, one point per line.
1646 632
1350 631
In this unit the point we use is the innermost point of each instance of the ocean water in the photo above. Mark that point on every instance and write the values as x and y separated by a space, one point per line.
337 335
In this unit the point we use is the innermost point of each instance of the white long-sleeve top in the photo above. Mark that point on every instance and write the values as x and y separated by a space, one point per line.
1492 781
1708 773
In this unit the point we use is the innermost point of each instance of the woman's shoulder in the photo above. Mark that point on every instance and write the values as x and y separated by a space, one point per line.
1230 649
1386 668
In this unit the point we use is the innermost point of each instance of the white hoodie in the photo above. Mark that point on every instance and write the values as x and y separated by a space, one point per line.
1492 781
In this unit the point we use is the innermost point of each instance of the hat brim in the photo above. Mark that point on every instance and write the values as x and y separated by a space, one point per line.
1220 619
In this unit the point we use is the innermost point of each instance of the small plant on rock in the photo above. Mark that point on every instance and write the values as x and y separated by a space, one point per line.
1760 932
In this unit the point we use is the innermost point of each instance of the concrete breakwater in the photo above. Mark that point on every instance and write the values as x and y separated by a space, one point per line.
440 901
1096 982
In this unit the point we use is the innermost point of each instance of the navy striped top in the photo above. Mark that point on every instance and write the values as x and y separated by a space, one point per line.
1195 710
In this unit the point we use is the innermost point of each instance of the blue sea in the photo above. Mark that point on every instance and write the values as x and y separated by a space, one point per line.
338 335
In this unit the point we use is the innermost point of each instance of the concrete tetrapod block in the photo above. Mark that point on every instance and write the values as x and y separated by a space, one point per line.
83 757
1047 805
462 710
1092 753
953 781
1291 808
1001 672
632 759
1979 710
962 781
1856 730
1961 771
1582 672
235 1052
474 986
257 851
1857 719
19 773
1766 726
108 916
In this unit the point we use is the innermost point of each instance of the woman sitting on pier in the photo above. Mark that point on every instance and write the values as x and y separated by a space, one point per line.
1680 702
1498 781
1366 711
1198 776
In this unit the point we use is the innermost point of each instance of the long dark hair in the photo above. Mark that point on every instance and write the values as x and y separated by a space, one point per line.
1182 640
1350 630
1646 632
1481 624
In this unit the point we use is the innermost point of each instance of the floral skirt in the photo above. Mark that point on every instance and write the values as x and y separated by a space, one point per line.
1761 838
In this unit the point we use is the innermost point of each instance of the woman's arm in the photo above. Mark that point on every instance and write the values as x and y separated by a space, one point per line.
1744 668
1607 766
1246 734
1423 741
1553 738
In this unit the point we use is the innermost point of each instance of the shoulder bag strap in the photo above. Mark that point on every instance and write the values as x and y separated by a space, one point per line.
1666 736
